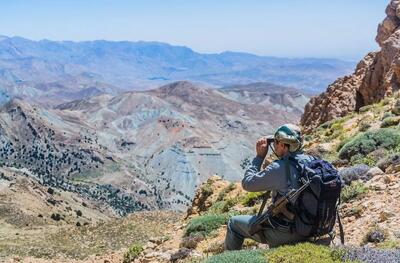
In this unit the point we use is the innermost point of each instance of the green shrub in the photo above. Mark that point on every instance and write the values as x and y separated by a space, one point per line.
303 252
396 108
308 138
204 225
207 190
386 115
326 125
226 190
364 125
335 130
338 125
389 244
244 256
388 138
384 102
360 159
221 207
366 108
390 121
354 190
355 211
343 142
133 252
251 198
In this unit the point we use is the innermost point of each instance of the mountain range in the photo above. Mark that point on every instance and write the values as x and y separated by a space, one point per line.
144 149
49 71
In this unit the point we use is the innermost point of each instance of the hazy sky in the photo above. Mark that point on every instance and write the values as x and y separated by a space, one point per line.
291 28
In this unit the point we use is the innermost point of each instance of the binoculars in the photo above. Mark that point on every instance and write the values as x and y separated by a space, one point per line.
270 140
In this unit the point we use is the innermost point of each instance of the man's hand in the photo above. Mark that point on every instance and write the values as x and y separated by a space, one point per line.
262 147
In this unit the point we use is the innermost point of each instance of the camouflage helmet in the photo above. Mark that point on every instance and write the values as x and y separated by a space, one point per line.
289 134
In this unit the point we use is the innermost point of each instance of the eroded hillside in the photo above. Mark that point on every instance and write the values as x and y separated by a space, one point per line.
142 150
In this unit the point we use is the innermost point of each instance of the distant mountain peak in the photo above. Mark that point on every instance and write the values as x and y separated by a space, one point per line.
179 88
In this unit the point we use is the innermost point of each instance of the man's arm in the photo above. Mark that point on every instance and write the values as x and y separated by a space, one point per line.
272 178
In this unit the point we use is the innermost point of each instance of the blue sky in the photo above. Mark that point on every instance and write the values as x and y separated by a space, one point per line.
290 28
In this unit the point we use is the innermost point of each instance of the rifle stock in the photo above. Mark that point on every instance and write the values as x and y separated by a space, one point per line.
278 207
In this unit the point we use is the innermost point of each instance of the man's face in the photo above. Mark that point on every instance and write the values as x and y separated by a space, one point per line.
280 148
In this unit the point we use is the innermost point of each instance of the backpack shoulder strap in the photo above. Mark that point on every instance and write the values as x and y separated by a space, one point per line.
291 180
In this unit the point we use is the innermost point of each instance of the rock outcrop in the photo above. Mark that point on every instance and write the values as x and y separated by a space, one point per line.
375 77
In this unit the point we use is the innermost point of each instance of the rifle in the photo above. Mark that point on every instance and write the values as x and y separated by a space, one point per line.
278 207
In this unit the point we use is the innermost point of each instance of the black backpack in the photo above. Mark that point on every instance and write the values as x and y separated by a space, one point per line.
316 208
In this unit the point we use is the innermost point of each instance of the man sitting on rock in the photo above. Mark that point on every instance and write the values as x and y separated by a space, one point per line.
280 230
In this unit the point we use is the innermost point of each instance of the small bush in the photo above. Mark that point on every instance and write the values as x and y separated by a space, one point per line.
207 190
307 252
191 241
308 138
343 142
251 198
396 108
366 108
244 256
133 252
386 115
355 211
335 130
215 247
226 190
221 207
390 121
360 159
352 191
204 225
303 252
389 244
365 143
326 125
364 126
384 102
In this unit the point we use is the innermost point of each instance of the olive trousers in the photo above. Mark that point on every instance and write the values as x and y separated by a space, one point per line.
238 230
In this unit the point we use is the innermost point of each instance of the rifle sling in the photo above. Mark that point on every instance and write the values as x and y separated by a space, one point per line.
341 231
265 199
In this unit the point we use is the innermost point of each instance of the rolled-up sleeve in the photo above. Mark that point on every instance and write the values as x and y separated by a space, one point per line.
271 178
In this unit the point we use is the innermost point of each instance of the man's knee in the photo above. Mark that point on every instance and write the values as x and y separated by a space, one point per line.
233 224
238 222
